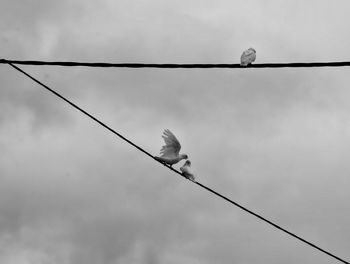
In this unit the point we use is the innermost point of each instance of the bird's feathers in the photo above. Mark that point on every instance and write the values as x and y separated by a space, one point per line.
172 146
186 171
248 57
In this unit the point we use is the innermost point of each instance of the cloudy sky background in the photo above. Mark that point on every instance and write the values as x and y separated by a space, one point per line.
274 140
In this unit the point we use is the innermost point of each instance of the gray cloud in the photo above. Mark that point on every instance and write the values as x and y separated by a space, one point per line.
273 140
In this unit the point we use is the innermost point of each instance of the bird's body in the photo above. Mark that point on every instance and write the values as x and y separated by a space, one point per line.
170 161
170 152
186 170
248 56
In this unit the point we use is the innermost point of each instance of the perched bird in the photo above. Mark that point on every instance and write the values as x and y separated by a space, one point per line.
186 170
169 153
248 56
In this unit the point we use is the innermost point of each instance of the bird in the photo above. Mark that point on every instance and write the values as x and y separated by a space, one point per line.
170 152
186 170
248 56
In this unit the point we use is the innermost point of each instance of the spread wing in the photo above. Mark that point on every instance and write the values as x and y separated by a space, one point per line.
172 146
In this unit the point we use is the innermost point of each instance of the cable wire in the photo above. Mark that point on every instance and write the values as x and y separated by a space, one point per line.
176 171
178 65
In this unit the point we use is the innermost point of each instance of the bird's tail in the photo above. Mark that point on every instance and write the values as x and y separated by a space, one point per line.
158 159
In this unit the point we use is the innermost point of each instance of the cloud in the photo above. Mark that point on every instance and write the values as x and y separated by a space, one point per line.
274 140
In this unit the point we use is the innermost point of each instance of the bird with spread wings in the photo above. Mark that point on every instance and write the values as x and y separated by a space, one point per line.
170 152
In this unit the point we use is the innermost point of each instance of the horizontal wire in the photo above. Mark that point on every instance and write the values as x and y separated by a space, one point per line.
176 171
178 65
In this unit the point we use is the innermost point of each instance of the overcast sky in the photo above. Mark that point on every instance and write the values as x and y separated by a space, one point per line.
275 140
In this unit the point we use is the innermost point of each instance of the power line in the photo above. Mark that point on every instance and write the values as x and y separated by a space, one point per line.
178 65
176 171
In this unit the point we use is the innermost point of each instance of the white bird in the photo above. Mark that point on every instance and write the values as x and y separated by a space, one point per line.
186 170
169 153
248 56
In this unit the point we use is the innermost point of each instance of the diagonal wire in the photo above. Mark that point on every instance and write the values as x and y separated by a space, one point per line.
179 65
176 171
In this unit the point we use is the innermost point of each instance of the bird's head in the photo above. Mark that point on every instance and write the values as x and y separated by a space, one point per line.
252 50
188 163
184 156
